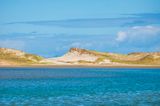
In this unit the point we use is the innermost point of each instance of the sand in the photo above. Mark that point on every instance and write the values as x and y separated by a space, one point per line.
79 66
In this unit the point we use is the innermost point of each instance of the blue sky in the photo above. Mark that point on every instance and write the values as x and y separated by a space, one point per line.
50 27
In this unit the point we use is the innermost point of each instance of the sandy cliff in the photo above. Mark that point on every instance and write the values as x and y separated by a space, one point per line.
77 56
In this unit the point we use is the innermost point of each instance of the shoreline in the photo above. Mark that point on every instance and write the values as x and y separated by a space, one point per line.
79 66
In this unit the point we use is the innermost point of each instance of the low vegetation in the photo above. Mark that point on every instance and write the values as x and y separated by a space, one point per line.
152 58
11 56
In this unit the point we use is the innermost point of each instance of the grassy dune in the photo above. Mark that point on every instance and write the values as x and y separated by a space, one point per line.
16 57
152 58
10 56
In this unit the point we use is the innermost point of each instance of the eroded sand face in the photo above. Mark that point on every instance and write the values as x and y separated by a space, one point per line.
74 57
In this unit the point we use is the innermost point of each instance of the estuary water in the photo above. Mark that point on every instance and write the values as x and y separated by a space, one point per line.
79 87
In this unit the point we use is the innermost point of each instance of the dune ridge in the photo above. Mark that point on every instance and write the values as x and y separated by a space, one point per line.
78 56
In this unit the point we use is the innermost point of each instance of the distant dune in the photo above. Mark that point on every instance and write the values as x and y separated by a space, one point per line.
77 56
17 57
83 56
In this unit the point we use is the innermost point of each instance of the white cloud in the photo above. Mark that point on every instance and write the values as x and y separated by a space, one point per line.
139 33
145 30
121 36
15 44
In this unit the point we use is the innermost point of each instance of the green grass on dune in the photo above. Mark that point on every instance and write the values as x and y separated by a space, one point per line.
26 59
19 57
122 58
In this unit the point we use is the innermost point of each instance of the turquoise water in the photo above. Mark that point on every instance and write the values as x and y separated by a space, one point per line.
79 87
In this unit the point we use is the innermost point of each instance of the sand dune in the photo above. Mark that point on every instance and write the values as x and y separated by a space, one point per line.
77 56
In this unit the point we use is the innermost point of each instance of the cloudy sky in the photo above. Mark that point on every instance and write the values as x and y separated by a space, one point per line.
50 27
